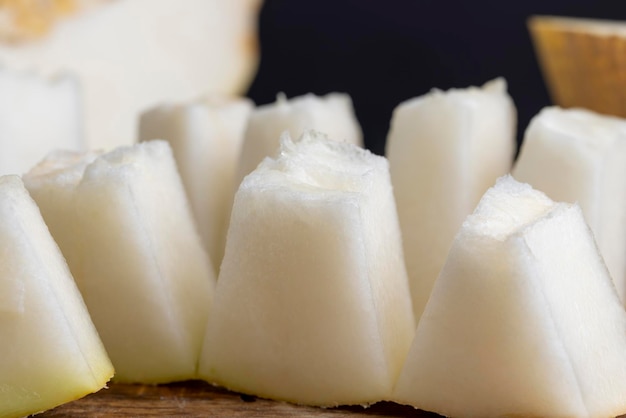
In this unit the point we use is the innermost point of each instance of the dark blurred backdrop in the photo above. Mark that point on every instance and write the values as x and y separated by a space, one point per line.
384 52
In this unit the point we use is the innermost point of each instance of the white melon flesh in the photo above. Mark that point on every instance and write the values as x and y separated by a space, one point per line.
312 302
52 183
523 320
138 259
206 137
579 156
37 114
50 352
332 114
445 150
134 54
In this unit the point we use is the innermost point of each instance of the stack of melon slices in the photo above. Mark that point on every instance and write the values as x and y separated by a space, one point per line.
313 304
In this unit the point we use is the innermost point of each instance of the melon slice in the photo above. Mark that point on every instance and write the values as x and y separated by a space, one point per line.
312 302
580 156
332 114
52 183
50 352
130 55
523 320
137 258
206 137
37 114
581 61
445 150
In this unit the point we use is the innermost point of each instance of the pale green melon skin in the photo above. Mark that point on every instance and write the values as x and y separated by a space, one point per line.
50 351
312 303
577 156
523 320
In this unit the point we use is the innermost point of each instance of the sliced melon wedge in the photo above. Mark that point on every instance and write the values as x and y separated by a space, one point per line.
50 352
523 320
136 257
576 155
312 303
445 150
206 136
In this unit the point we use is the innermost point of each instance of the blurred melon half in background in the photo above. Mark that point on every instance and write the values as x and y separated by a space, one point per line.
582 61
36 114
130 55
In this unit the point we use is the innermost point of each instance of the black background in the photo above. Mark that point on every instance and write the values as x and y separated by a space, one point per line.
383 52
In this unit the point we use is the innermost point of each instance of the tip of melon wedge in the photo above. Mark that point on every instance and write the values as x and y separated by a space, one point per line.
507 208
315 162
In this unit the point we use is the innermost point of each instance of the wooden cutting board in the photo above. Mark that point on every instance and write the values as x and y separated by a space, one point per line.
199 399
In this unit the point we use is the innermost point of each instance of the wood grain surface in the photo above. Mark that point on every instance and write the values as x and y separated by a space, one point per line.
199 399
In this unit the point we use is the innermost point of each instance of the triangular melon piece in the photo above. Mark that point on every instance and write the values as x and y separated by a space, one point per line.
50 352
312 303
206 136
136 256
575 155
523 320
445 149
